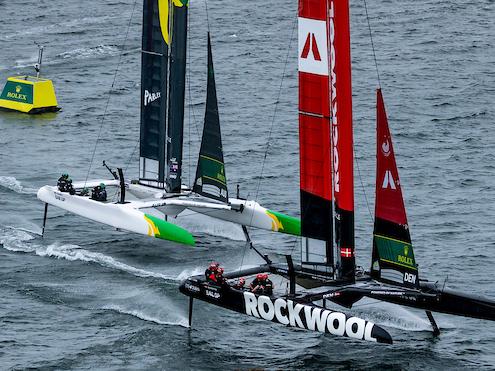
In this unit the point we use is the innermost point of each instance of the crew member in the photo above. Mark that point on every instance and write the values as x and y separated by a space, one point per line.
219 278
239 285
210 272
64 184
99 193
84 192
261 285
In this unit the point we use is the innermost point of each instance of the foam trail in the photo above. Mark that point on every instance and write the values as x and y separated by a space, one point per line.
13 184
141 315
395 316
17 240
190 272
74 252
82 53
33 229
62 26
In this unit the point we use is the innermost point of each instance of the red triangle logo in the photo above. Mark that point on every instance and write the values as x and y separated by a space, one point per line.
310 43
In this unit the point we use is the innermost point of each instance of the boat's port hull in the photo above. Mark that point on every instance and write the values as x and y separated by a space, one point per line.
285 310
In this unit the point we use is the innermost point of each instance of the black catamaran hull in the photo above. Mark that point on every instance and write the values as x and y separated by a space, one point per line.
285 310
427 297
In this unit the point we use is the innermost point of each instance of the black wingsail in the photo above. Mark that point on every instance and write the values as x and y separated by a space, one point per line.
177 82
154 69
210 178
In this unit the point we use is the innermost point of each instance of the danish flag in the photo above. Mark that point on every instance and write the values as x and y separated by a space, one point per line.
346 252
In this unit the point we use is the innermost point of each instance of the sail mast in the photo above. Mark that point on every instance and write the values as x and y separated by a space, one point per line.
314 137
154 71
342 138
177 84
211 180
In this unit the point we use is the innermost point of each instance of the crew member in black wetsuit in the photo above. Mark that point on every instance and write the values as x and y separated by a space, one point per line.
99 193
64 184
261 285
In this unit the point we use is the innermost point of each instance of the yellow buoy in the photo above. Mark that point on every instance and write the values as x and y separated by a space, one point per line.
29 94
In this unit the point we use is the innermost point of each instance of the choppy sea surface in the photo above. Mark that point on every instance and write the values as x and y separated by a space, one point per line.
89 297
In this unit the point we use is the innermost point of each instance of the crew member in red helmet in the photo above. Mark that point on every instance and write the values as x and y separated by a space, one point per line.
239 285
261 285
211 272
219 279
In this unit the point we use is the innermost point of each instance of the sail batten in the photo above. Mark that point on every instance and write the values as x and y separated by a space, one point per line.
393 255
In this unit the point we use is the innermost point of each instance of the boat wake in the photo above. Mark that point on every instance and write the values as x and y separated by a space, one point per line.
21 240
60 27
13 184
182 321
97 51
395 316
91 52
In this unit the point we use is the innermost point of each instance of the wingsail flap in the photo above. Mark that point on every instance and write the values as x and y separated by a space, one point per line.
342 138
393 256
120 216
211 180
177 85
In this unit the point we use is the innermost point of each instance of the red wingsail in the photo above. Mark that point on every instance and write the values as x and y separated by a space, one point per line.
314 135
325 130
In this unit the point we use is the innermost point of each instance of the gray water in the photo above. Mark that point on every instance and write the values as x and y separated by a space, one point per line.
89 297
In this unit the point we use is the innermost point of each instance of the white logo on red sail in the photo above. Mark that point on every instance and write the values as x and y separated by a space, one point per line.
386 148
313 50
388 181
333 108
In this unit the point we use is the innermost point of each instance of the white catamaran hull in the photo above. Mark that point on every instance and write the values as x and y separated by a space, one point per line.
125 216
134 216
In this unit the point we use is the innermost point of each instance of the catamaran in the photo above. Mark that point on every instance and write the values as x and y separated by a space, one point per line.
327 274
159 192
